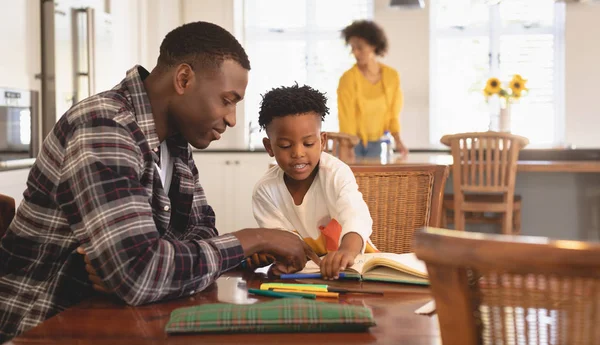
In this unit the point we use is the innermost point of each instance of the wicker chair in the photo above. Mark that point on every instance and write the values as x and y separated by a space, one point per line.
7 212
341 145
483 175
507 289
401 199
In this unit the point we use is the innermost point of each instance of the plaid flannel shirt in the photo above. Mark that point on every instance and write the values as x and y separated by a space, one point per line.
94 184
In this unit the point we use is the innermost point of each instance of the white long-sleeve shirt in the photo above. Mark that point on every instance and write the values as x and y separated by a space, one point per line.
332 195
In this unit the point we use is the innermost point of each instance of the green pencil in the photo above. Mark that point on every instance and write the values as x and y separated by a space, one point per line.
269 293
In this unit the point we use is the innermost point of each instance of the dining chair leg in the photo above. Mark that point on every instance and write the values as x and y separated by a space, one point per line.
507 223
517 222
444 218
459 220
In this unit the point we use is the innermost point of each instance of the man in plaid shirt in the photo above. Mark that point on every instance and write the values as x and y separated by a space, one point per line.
115 181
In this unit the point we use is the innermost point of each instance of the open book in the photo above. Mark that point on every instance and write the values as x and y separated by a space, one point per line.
388 267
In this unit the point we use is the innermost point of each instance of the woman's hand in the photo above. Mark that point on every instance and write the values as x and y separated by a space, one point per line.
401 149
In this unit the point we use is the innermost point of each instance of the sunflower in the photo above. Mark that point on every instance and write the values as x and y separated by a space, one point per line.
492 87
517 85
518 77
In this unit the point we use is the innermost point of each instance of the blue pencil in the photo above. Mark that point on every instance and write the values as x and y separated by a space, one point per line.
307 276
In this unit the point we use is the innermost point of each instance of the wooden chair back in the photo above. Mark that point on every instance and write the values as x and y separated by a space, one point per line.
341 145
506 289
7 213
484 162
401 199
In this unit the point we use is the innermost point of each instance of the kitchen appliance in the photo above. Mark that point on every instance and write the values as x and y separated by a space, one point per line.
20 134
77 55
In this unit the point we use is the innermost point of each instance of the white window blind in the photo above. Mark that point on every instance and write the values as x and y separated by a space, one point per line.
473 40
300 41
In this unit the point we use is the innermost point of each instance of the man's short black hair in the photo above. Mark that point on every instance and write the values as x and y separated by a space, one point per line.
291 100
201 45
370 32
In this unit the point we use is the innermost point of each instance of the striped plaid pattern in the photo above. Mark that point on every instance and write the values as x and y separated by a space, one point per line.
94 184
282 315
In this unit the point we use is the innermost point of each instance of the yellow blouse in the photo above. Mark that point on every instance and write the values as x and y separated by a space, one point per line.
366 109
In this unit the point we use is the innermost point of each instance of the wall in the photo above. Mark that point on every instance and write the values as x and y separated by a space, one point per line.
582 73
220 13
20 58
408 35
127 20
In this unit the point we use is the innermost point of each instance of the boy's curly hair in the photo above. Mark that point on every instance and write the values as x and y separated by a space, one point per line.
291 100
370 32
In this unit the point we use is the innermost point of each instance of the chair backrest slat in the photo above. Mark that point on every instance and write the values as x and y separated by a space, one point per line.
485 160
496 162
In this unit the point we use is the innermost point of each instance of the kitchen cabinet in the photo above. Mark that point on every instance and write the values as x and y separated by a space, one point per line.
228 180
13 183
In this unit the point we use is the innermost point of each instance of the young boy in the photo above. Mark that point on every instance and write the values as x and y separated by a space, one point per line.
310 192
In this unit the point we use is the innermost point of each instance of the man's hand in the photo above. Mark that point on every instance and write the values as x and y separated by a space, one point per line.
289 250
257 260
97 283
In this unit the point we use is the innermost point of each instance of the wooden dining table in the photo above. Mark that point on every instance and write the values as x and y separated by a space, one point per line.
105 320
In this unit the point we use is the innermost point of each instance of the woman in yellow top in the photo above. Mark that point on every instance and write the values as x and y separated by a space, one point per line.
369 94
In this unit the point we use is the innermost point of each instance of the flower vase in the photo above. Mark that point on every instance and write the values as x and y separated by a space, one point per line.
504 124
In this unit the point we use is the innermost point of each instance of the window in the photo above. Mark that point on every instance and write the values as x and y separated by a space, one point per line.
473 40
291 41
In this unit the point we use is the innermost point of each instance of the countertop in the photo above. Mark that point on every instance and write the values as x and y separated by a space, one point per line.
564 160
533 154
14 164
568 166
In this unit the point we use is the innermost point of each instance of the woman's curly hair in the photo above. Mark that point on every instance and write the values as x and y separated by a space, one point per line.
370 32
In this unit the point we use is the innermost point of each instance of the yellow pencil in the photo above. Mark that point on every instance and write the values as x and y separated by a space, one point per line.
316 293
302 287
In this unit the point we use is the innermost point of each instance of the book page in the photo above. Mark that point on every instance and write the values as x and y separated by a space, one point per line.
359 261
407 263
311 267
387 274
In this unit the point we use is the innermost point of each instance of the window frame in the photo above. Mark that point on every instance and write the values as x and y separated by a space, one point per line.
494 31
309 34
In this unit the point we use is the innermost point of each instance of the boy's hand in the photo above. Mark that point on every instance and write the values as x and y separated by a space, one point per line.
97 283
337 261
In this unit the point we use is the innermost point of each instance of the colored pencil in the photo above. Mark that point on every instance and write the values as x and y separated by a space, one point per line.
307 276
314 293
315 288
269 293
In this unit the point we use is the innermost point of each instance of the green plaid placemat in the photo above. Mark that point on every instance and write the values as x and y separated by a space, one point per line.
282 315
